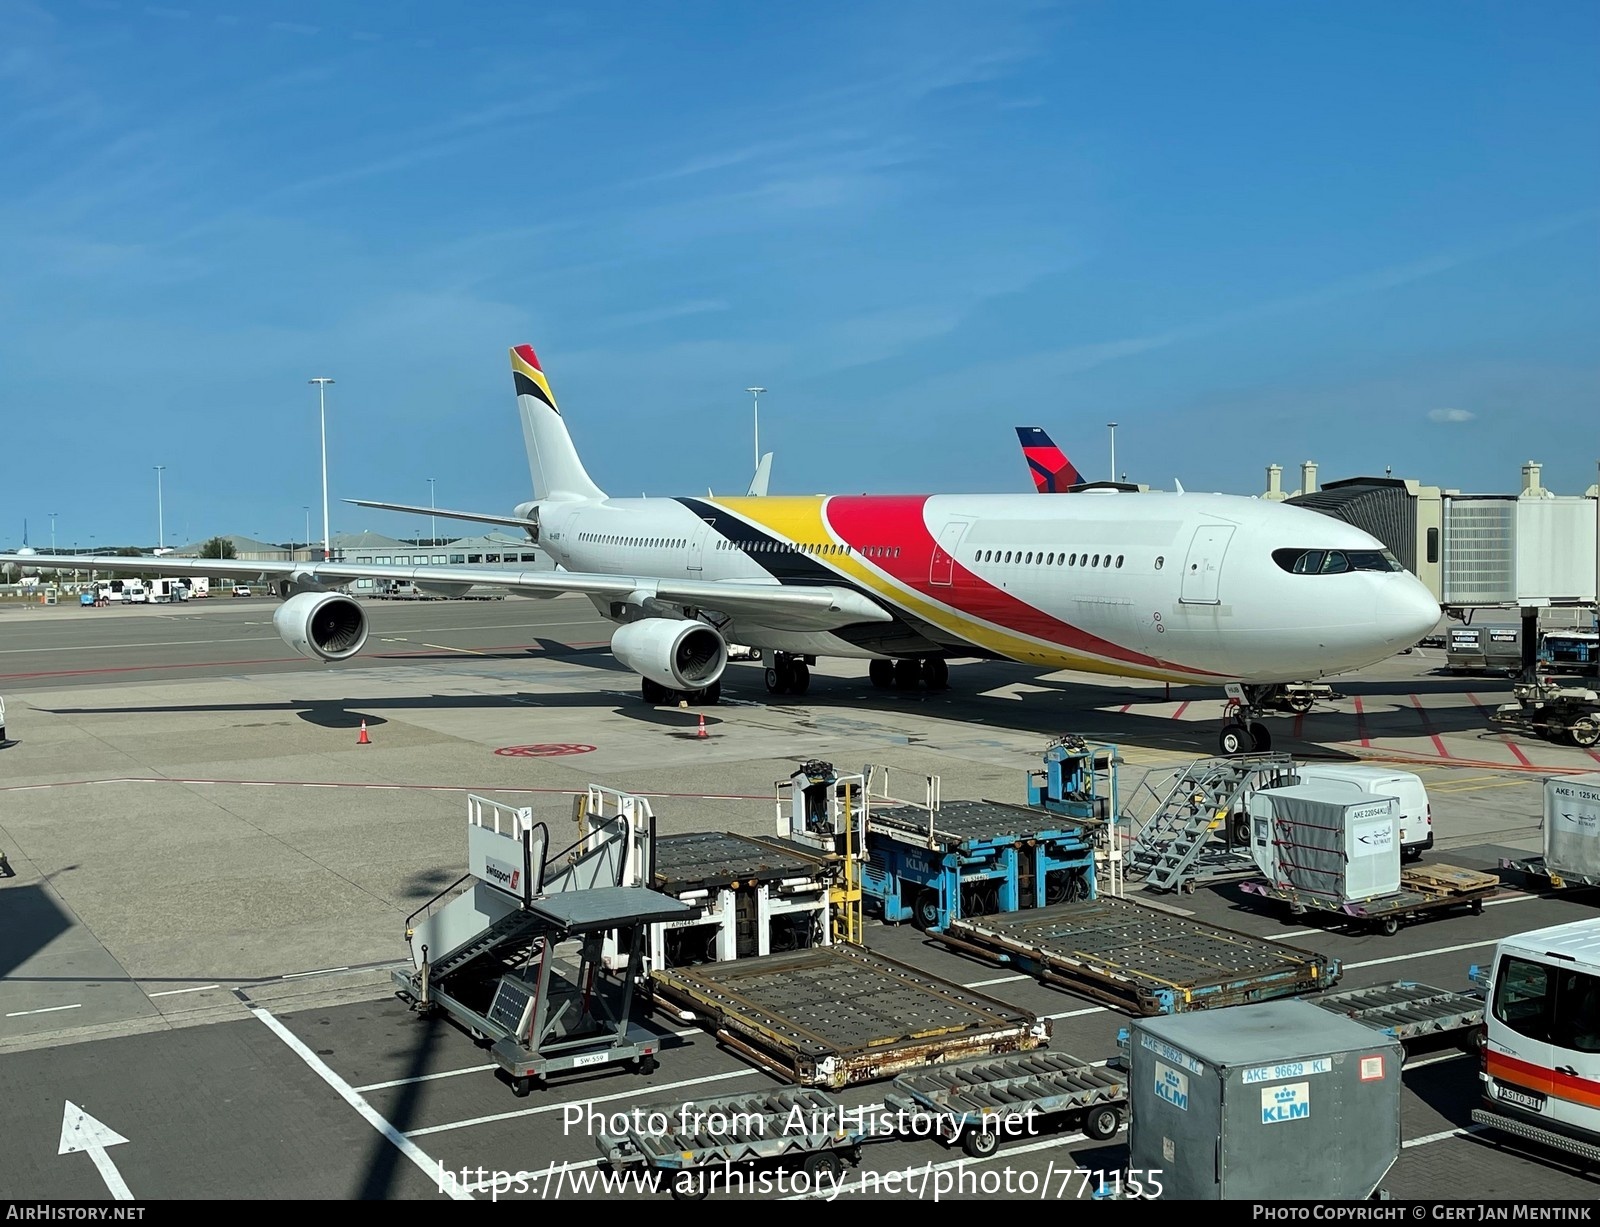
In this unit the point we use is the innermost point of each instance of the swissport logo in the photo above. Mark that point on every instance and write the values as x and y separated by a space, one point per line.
501 874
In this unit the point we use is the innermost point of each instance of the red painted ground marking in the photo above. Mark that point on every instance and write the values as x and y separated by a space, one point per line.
1517 750
1182 707
1594 754
546 751
1427 727
1361 724
1124 707
1473 699
1298 721
481 788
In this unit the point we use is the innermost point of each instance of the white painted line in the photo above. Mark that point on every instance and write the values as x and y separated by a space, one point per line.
173 992
1299 932
1443 1056
298 975
1444 1136
319 786
1422 954
49 1009
1094 1009
403 1144
996 980
556 1107
449 1073
257 784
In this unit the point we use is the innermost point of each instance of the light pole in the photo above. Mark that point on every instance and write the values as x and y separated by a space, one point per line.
307 537
53 531
1113 427
433 524
755 394
322 413
161 512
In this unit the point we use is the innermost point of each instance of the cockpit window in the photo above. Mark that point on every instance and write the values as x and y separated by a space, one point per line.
1335 562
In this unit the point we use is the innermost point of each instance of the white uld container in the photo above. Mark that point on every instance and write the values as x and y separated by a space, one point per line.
1319 841
1572 825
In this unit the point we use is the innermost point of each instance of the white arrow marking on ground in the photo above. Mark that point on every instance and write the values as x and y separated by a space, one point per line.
81 1132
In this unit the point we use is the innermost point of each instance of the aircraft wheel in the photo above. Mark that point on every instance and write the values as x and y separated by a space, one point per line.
777 679
1234 739
907 673
1260 736
799 678
882 673
935 672
654 693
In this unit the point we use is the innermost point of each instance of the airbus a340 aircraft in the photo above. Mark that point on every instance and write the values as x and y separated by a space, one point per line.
1199 588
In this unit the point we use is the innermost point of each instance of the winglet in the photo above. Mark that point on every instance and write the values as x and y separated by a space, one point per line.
1177 485
1052 472
763 474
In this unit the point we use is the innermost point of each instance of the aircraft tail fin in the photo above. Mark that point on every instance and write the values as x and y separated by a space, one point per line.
1052 472
553 461
758 483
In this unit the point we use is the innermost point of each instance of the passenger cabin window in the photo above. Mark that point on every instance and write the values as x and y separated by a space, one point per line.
1334 562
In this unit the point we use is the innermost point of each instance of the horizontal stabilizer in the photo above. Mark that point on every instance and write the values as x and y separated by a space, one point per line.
444 513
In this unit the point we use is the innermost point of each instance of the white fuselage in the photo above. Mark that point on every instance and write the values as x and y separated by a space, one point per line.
1181 587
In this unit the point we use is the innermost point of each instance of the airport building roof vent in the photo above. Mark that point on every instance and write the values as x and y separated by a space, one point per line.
1532 480
1274 483
1308 477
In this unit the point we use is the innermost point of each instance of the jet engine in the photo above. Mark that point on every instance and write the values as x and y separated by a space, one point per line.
322 625
673 652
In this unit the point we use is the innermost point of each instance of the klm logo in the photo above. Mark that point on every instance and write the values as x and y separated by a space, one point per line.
1285 1103
1172 1087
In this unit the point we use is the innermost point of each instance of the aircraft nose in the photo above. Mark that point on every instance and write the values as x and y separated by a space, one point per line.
1408 613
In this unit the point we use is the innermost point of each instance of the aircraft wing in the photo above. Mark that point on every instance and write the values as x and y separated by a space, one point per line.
477 517
771 604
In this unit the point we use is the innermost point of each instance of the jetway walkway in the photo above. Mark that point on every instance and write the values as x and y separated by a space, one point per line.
513 951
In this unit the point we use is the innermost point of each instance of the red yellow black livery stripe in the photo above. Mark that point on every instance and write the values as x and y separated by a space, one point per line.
529 377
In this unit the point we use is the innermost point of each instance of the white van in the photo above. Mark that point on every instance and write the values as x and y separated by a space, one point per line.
1415 812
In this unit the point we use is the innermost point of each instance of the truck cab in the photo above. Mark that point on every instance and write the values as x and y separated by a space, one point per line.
1541 1055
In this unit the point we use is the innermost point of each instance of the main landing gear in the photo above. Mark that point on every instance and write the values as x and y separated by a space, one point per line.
657 695
1241 732
910 672
789 674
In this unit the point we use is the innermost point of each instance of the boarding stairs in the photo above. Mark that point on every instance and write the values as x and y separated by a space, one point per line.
1174 837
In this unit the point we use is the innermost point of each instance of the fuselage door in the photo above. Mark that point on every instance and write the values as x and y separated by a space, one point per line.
1202 570
941 567
697 542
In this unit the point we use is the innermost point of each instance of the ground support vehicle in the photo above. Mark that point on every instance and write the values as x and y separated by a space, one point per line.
1541 1052
1546 708
838 1015
972 858
1559 879
1141 959
694 1147
1424 891
982 1103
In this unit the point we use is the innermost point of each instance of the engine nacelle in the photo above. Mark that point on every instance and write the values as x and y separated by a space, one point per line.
322 625
673 652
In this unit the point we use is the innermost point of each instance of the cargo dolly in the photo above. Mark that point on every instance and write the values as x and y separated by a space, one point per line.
981 1102
1424 890
692 1146
1407 1011
1142 960
839 1015
1540 867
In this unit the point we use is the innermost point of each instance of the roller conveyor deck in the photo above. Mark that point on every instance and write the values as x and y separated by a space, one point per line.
839 1015
715 859
1141 959
959 822
1406 1010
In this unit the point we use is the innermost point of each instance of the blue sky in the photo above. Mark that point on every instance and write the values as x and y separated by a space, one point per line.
1363 234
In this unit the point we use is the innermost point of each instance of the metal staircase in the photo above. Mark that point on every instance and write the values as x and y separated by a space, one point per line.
501 937
1170 844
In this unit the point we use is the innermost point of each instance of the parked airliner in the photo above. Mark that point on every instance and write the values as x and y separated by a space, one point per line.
1182 587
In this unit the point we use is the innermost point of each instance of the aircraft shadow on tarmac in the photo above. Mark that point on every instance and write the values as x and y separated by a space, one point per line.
1048 707
29 921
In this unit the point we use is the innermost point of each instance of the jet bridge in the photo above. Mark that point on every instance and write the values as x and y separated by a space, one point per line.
513 950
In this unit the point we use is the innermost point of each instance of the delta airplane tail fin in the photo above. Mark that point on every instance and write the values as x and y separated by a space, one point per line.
1052 472
552 459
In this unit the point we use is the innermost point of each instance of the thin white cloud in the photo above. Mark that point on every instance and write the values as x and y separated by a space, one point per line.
1451 415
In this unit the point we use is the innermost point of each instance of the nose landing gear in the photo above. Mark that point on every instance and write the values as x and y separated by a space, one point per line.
1241 732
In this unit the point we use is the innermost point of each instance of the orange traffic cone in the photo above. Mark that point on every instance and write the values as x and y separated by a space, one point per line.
702 732
363 740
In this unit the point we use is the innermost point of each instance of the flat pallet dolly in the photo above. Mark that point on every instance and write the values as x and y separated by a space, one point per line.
692 1146
1425 890
839 1015
1141 959
1560 879
982 1102
1406 1010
